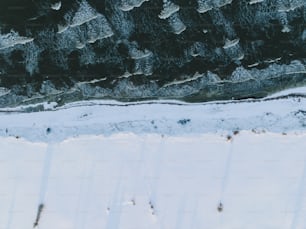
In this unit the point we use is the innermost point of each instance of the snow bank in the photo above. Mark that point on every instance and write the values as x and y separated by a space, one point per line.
279 115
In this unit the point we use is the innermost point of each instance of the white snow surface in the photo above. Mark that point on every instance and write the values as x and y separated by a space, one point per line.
157 164
150 181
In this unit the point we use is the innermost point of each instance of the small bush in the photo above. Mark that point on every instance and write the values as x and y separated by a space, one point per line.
48 130
183 121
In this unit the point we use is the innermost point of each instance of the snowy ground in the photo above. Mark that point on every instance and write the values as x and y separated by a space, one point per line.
130 181
108 165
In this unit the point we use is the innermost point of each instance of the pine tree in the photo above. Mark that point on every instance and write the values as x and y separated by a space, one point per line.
31 56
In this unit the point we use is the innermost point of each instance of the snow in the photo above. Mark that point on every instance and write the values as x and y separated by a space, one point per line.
96 28
275 114
4 91
286 29
92 81
194 77
82 20
137 54
56 6
13 38
207 5
296 90
291 7
84 14
222 3
204 6
126 74
150 181
176 24
155 164
169 8
253 65
128 5
62 28
94 39
269 61
240 74
80 45
255 1
230 43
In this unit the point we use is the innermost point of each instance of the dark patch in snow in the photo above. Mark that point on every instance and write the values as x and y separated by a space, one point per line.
183 121
220 207
300 112
152 208
301 116
39 211
48 130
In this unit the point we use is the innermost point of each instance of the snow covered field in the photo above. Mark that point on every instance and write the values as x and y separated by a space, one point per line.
108 165
149 181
